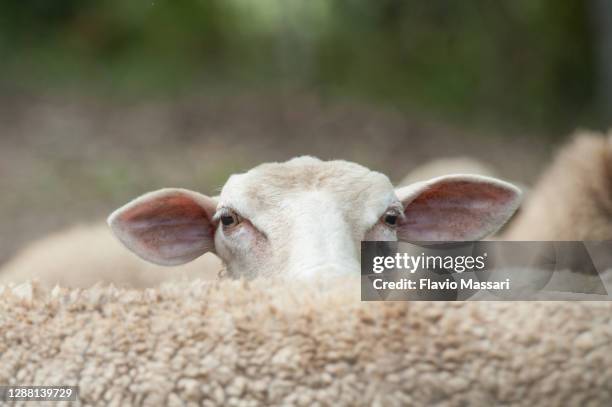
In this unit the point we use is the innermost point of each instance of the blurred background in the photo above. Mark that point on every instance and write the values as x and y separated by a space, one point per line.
102 101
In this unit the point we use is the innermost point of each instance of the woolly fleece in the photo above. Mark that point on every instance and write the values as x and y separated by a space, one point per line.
262 343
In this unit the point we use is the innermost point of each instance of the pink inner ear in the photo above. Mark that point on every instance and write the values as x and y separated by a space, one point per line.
457 210
170 229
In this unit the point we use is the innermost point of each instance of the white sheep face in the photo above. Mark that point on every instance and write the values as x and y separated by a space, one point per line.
306 217
303 216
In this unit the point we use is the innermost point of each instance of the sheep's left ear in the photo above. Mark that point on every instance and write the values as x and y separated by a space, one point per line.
166 227
456 208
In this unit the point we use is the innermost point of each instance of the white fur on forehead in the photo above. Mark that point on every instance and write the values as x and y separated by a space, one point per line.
307 173
270 184
312 173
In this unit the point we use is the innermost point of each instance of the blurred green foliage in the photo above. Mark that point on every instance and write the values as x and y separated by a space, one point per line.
525 62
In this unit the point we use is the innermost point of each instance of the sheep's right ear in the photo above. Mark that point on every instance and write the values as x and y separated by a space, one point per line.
166 227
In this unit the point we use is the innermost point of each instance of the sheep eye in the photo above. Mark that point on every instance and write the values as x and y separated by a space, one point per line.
229 219
390 218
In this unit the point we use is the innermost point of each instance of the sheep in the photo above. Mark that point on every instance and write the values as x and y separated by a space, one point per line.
306 217
579 174
296 342
573 198
572 201
296 216
275 342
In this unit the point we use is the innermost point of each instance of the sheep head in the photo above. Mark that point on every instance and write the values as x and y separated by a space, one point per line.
307 217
